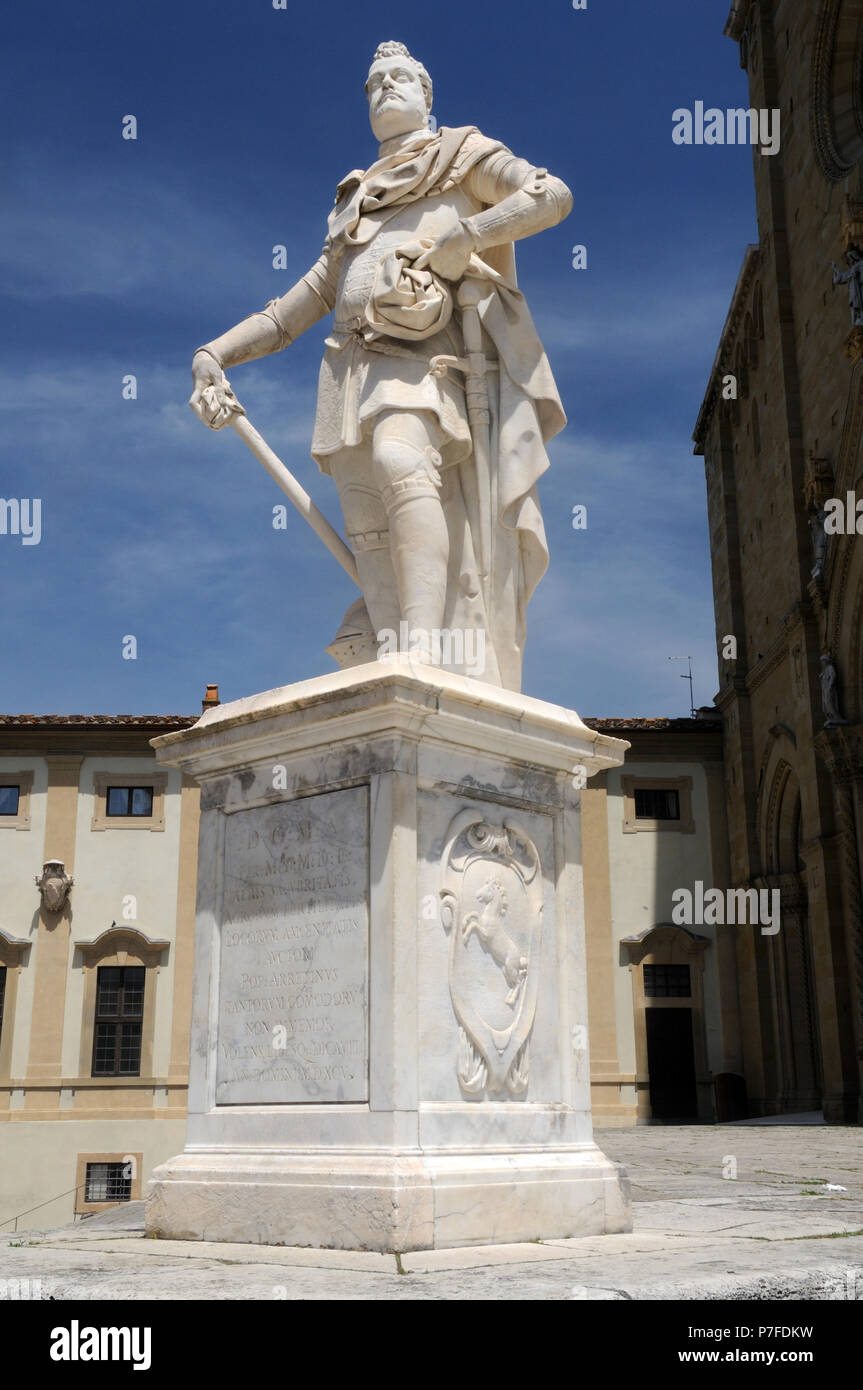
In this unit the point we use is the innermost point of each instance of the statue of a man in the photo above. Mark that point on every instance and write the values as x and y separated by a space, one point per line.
438 496
853 278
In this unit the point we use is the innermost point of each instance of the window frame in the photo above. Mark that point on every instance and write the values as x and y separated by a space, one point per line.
12 953
633 824
145 778
119 946
130 801
85 1208
119 1020
24 782
108 1179
657 791
669 993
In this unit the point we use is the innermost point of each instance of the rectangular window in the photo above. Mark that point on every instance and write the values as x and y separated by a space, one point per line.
653 803
2 995
667 982
130 801
9 798
119 1020
108 1182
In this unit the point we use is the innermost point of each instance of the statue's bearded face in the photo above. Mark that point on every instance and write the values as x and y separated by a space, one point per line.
397 102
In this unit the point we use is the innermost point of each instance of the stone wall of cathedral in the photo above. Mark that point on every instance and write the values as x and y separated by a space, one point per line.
779 433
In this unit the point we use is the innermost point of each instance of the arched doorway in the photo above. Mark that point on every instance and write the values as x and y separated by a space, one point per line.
784 960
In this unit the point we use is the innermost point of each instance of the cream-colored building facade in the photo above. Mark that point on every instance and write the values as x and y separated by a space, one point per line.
71 1139
82 1127
633 867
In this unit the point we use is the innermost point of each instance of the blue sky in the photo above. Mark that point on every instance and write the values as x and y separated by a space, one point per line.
121 257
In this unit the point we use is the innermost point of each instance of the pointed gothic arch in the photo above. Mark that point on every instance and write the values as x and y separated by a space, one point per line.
783 962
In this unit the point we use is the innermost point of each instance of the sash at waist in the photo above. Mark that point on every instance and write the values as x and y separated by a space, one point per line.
353 331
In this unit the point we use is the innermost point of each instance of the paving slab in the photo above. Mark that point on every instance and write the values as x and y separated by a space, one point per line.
369 1260
773 1231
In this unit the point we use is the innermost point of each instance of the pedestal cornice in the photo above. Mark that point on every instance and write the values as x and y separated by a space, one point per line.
391 696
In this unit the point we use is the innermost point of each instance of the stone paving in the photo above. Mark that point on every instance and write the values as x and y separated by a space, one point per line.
789 1225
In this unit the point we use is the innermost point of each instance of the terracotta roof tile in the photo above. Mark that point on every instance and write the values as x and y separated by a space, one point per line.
184 721
656 725
119 721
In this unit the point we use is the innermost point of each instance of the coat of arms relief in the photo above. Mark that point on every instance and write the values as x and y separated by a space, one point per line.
491 909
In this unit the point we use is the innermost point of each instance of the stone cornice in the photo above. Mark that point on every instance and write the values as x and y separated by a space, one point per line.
126 938
12 948
645 942
795 618
391 697
734 689
767 664
748 270
735 24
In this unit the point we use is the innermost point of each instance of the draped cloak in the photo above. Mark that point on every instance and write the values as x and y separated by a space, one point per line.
525 406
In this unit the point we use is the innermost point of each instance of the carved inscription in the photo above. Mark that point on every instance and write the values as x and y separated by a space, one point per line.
293 982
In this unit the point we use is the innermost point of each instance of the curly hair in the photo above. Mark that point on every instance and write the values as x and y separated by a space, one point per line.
391 49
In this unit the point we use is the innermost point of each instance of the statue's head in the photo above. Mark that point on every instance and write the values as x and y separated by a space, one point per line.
399 91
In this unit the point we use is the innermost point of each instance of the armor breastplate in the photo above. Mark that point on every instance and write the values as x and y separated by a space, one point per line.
428 217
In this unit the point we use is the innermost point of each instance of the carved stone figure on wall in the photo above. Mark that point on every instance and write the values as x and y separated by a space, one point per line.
819 485
853 278
818 537
54 884
435 397
830 693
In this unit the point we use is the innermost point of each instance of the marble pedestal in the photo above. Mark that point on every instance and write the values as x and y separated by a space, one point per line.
389 1035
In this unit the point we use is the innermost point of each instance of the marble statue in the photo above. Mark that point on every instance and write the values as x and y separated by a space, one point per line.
389 1043
830 693
853 278
435 396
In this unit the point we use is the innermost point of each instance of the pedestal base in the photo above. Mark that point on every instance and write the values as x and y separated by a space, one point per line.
394 1202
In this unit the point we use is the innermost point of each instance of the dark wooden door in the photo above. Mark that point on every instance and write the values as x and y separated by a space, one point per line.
671 1064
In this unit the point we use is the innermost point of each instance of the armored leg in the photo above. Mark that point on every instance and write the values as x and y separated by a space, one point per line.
405 462
367 530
